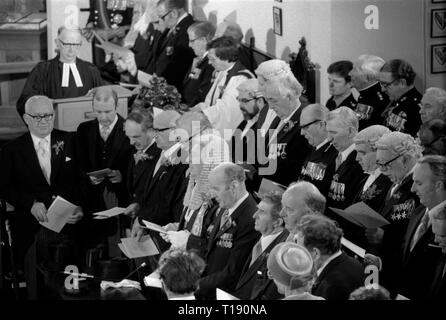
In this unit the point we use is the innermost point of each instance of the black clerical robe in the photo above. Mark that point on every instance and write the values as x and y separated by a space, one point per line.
46 79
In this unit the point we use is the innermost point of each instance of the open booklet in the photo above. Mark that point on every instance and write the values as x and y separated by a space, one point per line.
58 214
362 215
138 249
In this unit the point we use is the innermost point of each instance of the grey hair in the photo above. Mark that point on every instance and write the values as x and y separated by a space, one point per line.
311 195
439 95
370 66
288 86
318 111
104 93
344 116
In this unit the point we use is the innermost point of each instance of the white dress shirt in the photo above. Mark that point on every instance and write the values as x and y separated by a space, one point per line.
110 127
372 177
44 161
325 264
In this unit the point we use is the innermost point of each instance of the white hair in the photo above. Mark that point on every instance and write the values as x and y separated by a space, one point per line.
344 116
370 66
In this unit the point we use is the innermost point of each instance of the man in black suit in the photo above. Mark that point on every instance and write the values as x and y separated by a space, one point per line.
101 144
254 283
232 235
139 130
35 168
198 79
163 197
342 126
319 165
418 255
174 56
337 273
287 147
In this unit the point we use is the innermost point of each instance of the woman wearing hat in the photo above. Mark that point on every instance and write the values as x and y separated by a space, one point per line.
291 267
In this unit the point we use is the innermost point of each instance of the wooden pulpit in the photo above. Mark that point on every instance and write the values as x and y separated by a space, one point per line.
71 112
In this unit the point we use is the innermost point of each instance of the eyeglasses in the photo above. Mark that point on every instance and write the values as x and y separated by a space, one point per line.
72 45
162 130
309 124
385 85
385 165
245 100
40 117
164 16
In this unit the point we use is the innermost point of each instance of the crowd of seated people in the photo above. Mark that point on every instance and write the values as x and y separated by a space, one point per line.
247 182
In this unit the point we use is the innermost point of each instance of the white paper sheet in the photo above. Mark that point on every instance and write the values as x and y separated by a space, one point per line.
58 214
353 247
223 295
154 227
138 249
109 213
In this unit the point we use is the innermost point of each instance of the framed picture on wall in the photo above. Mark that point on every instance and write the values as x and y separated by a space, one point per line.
438 58
438 23
277 20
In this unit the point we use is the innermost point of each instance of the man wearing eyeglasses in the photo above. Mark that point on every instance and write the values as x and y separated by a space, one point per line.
34 169
174 55
65 76
319 165
397 80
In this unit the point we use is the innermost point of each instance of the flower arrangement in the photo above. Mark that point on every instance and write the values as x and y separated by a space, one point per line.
160 95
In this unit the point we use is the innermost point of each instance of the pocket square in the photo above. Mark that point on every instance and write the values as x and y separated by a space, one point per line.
67 159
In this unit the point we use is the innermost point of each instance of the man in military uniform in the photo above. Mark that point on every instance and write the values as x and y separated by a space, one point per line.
287 147
396 156
339 82
372 101
319 166
342 126
111 19
403 114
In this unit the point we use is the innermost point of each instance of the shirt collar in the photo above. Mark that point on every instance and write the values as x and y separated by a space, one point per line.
347 152
320 145
111 126
147 148
368 87
238 203
36 140
292 113
267 240
330 259
181 19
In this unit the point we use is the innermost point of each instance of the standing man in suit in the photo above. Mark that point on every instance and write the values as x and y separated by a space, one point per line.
163 197
198 80
319 165
139 130
337 273
372 100
342 126
254 283
101 144
287 147
174 55
232 235
34 169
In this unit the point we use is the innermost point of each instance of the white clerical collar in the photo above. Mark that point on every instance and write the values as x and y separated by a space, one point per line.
111 126
320 145
267 240
67 68
347 152
37 139
237 204
325 264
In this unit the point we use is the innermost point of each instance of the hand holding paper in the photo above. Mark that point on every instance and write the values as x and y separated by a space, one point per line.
58 214
138 249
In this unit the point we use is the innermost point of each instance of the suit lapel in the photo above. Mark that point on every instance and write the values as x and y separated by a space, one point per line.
93 133
118 139
327 269
57 145
295 119
250 271
411 228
